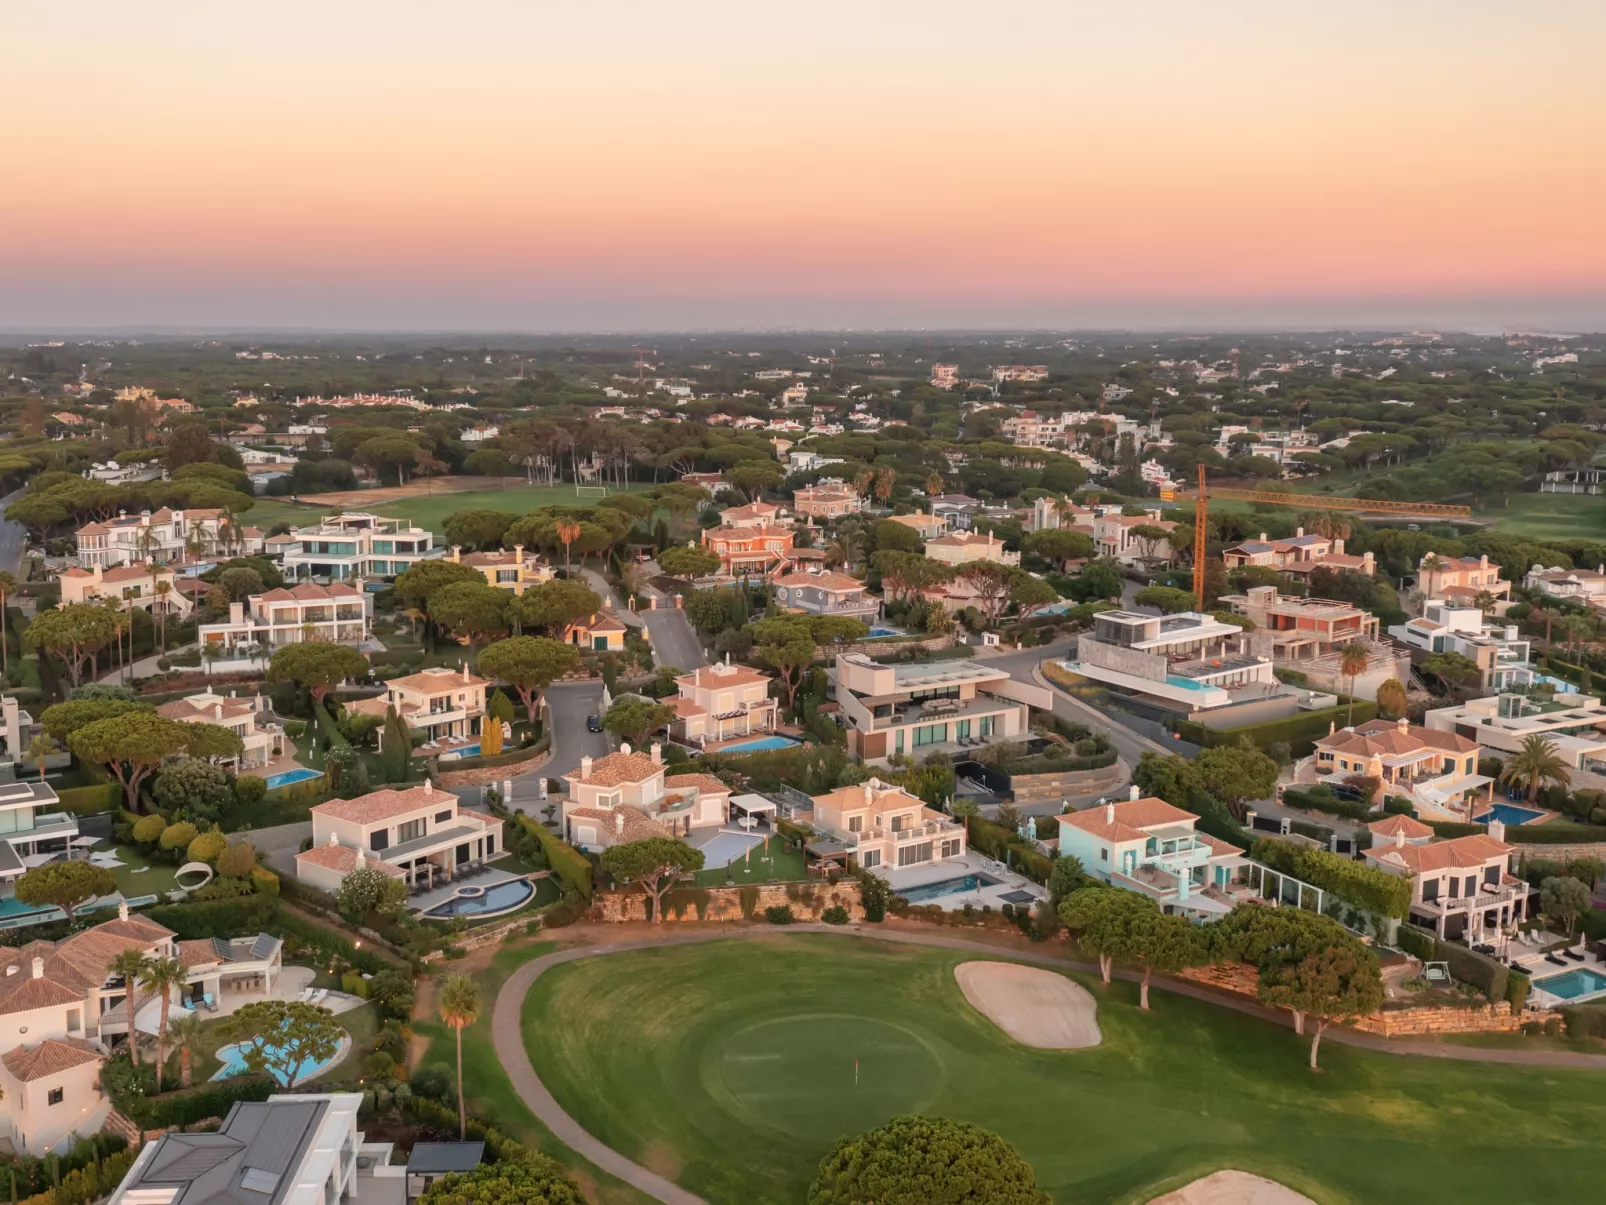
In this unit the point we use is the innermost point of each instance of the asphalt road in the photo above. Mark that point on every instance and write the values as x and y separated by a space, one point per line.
13 538
673 640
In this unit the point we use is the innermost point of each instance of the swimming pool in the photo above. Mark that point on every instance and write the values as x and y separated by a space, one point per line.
1186 683
465 751
287 777
485 901
1508 814
234 1063
882 630
761 743
1580 981
927 892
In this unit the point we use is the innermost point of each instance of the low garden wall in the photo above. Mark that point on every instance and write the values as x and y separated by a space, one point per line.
1240 979
1039 788
807 901
484 774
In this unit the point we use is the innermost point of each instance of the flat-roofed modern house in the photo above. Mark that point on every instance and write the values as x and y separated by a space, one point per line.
1499 650
722 702
33 829
1436 770
1308 635
629 796
420 834
886 829
335 614
1193 659
825 592
507 569
910 710
1463 889
287 1150
1151 847
1574 723
356 545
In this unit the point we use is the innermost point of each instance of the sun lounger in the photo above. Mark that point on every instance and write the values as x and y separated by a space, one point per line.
319 996
1575 955
1561 962
304 995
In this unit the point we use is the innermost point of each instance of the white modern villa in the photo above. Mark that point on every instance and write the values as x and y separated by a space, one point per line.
1192 658
357 545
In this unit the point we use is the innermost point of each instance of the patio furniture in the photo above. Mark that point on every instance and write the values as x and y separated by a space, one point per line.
1551 958
304 995
1575 955
211 1004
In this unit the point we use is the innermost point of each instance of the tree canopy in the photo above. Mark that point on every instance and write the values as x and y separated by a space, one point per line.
918 1160
529 664
318 666
67 885
131 746
655 863
283 1037
554 605
533 1180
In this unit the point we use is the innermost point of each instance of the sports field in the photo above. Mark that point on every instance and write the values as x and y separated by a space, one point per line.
1550 516
428 508
732 1067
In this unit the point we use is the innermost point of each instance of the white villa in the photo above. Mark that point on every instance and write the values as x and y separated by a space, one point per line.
419 834
446 705
263 739
143 584
334 614
722 702
172 536
357 545
627 796
886 829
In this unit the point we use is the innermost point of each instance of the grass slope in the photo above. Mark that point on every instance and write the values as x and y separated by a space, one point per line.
730 1067
1550 517
489 1092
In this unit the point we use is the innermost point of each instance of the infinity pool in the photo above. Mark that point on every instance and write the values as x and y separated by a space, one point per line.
287 777
927 892
1580 981
484 901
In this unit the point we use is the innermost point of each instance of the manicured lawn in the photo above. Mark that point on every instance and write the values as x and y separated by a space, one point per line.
431 510
1551 516
788 868
730 1067
157 880
269 511
486 1085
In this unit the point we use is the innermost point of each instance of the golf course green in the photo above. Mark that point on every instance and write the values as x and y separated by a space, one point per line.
732 1067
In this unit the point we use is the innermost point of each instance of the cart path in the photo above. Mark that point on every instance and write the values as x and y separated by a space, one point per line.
508 1040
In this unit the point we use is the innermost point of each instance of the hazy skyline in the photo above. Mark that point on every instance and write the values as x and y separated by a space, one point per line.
497 165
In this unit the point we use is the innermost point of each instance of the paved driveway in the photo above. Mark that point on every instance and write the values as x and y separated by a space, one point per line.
568 704
673 640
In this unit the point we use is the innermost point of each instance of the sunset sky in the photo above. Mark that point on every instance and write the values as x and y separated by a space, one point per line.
531 165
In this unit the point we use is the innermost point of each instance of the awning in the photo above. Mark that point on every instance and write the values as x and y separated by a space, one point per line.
84 842
1203 903
753 804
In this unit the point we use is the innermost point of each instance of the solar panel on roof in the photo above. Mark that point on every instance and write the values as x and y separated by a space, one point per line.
263 946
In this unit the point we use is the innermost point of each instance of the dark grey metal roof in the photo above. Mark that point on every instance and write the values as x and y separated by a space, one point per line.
436 1158
10 863
264 946
247 1162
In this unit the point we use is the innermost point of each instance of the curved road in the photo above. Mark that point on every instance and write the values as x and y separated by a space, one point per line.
508 1040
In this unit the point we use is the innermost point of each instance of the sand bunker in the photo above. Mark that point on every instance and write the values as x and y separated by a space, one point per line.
1233 1188
1036 1008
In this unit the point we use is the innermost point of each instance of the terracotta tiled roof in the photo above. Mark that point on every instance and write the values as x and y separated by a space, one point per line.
1459 853
967 539
1132 818
722 677
429 683
618 768
602 621
875 795
685 708
384 805
50 1057
826 581
342 859
1218 847
1408 825
200 952
638 825
183 709
1385 738
703 782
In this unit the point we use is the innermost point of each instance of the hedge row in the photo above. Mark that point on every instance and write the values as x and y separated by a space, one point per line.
1299 731
1554 833
1366 887
1052 763
998 842
1322 800
1585 1020
86 801
572 867
1493 978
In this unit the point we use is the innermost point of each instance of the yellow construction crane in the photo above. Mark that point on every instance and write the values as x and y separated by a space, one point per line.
1201 515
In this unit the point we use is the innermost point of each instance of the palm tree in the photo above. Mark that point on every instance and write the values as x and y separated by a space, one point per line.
41 747
963 810
161 976
130 964
933 485
164 587
460 1008
568 531
8 587
1431 564
195 543
1538 762
1352 663
188 1034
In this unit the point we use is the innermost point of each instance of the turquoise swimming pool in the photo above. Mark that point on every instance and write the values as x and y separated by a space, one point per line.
234 1064
485 901
1574 984
758 744
286 777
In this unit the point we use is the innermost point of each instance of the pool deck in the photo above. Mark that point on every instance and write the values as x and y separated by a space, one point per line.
433 899
1540 970
1006 881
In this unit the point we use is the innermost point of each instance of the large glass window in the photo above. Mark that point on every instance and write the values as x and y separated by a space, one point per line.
913 855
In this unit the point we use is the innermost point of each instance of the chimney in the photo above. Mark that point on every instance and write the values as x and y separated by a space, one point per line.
236 612
657 752
429 787
465 671
518 552
1497 830
1134 793
38 967
1299 533
1263 538
333 840
619 823
122 909
361 861
868 795
1404 723
1109 813
1399 838
457 552
585 768
1338 544
98 574
1332 727
624 747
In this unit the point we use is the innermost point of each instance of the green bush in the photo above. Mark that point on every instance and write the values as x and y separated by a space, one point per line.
1517 986
835 915
88 801
295 728
1585 1020
1416 942
572 868
780 914
1376 891
353 984
1554 833
1323 800
1468 966
264 880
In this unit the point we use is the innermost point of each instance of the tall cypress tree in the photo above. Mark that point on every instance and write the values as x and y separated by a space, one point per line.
398 747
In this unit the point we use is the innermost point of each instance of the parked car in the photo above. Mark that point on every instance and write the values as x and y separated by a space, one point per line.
593 724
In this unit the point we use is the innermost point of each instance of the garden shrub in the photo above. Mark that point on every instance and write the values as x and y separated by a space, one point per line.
86 801
1585 1020
353 984
779 914
874 896
1416 942
835 915
264 880
1376 891
1517 986
572 868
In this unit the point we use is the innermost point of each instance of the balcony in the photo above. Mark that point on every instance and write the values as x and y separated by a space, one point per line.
938 711
1484 899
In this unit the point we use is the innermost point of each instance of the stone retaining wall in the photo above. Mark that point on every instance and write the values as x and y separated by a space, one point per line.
1039 788
1240 979
466 778
1558 853
727 904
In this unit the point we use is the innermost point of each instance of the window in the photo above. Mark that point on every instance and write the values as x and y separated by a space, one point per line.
912 855
855 824
490 845
442 817
410 831
1104 853
870 859
950 849
379 839
54 1097
1430 890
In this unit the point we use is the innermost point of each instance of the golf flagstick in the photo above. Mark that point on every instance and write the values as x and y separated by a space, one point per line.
855 1073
